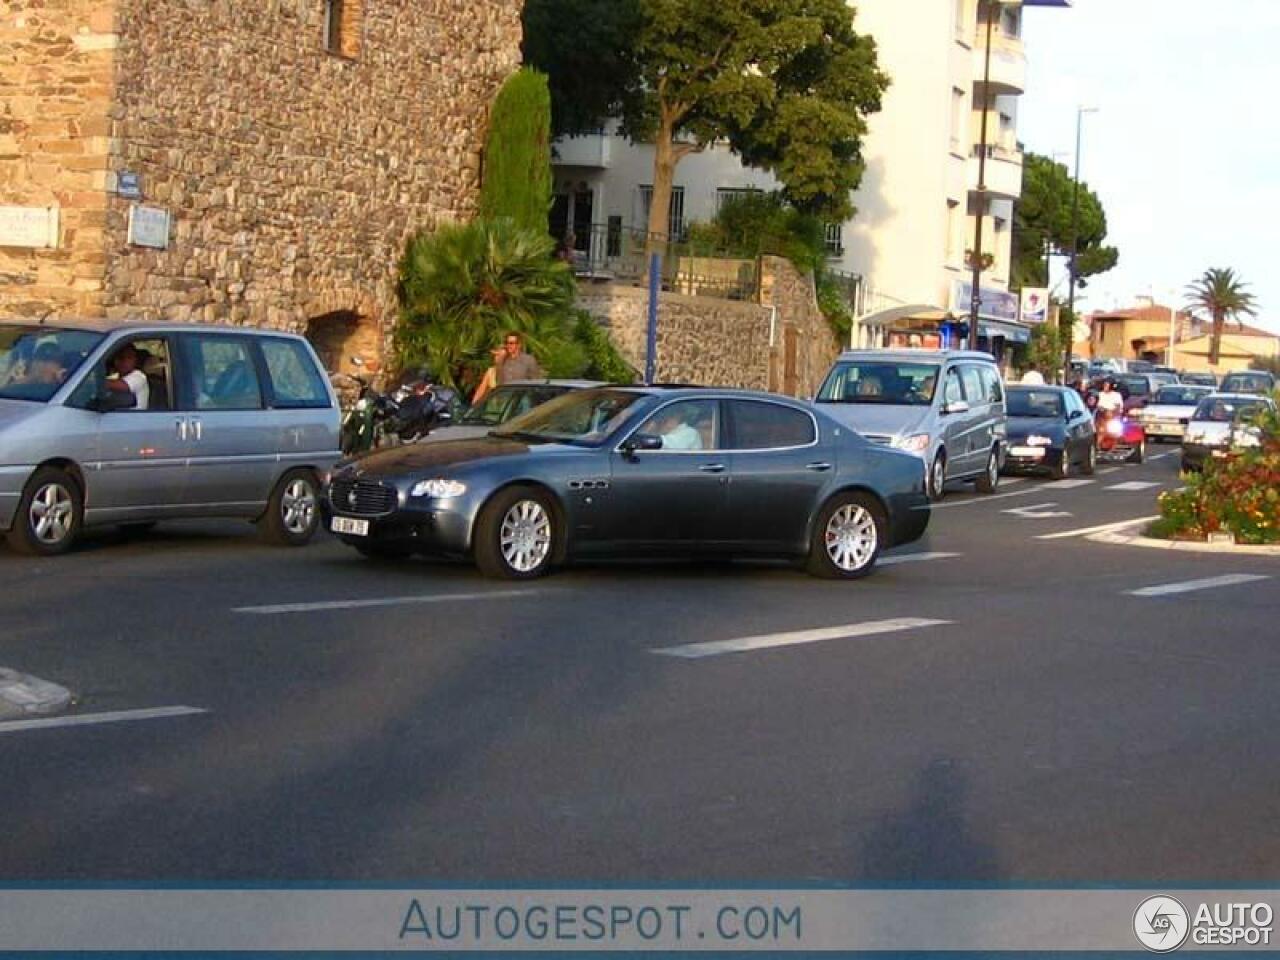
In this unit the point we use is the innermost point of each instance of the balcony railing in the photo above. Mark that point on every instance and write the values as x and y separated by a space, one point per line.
1003 173
1008 63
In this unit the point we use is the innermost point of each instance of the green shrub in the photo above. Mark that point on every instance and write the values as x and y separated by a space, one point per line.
517 155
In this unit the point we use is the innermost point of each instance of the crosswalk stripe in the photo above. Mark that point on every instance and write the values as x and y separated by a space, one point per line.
1187 586
1134 485
914 558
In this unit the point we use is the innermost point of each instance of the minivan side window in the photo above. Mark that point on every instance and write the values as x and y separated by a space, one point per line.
295 381
952 392
974 388
991 384
759 425
220 374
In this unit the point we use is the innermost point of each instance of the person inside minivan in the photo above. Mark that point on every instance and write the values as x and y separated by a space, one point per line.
127 377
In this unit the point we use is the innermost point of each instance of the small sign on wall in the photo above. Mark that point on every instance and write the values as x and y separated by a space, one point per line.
149 227
31 227
129 185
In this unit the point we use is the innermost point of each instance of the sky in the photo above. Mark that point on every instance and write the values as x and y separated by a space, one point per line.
1184 151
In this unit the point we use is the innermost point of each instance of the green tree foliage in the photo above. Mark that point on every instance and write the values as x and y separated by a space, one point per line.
1221 294
517 156
463 286
1043 216
587 50
1048 343
756 224
786 83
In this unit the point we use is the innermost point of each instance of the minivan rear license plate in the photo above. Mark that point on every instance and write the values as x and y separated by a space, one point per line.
356 528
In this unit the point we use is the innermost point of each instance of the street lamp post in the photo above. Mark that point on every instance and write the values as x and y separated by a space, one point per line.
975 299
1075 247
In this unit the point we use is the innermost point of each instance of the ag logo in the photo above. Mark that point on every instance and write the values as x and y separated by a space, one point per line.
1161 924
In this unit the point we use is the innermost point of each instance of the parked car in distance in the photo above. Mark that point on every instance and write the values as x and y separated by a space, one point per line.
1167 414
1049 430
128 424
1199 379
944 406
1248 381
1218 426
1136 388
1139 366
639 471
503 403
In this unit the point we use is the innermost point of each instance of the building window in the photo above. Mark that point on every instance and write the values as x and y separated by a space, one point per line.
834 239
342 19
964 27
726 194
675 216
953 230
958 116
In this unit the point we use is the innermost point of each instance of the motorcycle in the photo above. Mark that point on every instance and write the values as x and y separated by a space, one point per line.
420 407
365 425
1120 438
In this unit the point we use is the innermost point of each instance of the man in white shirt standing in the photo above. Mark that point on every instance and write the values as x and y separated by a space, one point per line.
129 378
1033 377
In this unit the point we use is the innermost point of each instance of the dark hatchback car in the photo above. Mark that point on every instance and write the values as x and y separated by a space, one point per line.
631 472
1049 429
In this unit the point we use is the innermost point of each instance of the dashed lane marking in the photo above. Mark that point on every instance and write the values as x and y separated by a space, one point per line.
1187 586
717 648
1039 511
1135 485
90 719
1071 483
914 558
982 499
279 608
1100 528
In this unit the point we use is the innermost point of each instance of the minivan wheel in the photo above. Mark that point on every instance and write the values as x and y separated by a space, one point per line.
516 535
937 476
50 514
847 537
990 478
293 513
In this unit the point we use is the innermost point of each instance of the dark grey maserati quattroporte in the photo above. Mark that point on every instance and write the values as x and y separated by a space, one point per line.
638 471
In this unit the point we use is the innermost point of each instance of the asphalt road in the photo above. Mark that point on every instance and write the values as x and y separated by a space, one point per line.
1022 716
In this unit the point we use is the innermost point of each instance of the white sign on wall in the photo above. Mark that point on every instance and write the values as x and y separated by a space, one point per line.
32 227
149 227
1035 304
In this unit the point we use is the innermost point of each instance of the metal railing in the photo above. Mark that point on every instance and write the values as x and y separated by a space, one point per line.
618 254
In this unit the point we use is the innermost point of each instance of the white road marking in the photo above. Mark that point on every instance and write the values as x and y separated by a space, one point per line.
914 558
1040 511
716 648
1161 456
88 719
1103 473
1010 483
1100 528
1187 586
983 499
1071 483
1134 485
277 608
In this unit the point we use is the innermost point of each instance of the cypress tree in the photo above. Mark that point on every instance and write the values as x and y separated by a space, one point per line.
517 160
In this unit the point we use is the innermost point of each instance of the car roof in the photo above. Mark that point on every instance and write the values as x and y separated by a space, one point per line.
1038 387
567 384
104 326
908 356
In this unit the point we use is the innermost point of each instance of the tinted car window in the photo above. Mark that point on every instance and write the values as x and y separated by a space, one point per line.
991 384
1034 403
36 361
1136 386
952 392
1179 395
686 425
1224 411
768 426
295 381
580 417
1247 383
220 373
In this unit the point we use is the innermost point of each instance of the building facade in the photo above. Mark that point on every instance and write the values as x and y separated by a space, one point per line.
918 202
1139 333
238 161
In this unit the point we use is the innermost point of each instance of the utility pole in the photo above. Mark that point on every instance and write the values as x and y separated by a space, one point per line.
1075 247
975 301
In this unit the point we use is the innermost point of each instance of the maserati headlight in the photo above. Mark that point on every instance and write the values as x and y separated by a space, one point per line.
916 443
1035 440
438 488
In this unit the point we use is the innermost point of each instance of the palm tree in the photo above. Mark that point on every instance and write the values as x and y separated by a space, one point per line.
462 286
1221 294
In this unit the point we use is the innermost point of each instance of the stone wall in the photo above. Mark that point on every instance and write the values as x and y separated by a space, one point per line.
782 343
293 176
56 69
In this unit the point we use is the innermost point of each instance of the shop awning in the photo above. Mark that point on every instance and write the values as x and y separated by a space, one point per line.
912 311
1012 332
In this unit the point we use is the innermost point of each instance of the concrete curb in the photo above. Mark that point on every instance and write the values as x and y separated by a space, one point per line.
22 695
1119 537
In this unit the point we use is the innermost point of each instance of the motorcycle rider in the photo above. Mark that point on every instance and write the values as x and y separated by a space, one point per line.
1110 402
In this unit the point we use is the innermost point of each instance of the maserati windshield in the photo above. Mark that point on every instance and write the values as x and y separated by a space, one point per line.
584 417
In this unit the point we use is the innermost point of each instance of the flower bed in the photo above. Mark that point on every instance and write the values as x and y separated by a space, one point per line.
1239 493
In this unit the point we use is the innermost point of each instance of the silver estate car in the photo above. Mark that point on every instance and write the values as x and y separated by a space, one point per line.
945 406
129 424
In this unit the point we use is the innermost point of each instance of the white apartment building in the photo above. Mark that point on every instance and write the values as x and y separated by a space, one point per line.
919 197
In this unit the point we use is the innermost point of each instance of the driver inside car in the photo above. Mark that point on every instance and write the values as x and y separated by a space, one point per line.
128 377
677 434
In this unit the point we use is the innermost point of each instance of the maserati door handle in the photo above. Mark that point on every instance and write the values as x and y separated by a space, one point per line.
818 467
712 468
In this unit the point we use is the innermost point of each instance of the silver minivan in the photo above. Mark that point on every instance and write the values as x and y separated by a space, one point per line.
129 424
945 406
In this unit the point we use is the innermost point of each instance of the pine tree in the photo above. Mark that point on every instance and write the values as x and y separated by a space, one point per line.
517 159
